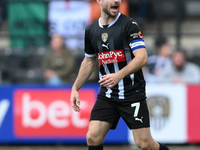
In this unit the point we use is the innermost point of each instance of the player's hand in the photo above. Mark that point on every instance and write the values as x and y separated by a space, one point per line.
75 101
109 80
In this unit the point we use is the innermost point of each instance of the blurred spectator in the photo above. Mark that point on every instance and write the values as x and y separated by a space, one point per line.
156 63
181 71
59 64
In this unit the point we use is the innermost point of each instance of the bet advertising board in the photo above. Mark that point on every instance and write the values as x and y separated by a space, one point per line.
42 114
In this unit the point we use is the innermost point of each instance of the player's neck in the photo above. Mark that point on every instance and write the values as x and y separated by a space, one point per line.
106 20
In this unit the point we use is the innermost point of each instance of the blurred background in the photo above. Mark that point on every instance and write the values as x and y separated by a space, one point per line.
41 49
26 28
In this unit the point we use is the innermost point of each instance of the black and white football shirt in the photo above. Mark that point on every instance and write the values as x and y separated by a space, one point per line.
114 45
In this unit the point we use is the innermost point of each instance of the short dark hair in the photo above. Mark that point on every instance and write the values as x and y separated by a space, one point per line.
184 52
160 41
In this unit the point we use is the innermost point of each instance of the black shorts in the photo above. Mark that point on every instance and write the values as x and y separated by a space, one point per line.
135 114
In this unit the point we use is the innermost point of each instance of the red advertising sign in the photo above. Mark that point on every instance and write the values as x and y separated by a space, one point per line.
48 112
193 113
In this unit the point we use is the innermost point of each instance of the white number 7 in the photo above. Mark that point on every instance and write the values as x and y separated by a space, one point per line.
137 106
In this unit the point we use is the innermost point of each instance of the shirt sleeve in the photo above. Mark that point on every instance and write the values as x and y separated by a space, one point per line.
134 35
89 50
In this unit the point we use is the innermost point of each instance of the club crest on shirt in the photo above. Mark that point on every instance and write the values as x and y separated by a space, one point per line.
104 37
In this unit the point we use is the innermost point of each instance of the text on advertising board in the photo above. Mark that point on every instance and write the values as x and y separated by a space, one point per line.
4 105
48 112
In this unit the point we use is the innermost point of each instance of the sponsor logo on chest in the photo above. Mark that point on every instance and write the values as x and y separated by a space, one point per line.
111 57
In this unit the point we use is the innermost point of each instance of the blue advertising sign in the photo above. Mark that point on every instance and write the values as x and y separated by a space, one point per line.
42 114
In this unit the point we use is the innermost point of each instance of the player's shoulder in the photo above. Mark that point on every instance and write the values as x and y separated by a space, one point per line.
127 19
92 25
91 28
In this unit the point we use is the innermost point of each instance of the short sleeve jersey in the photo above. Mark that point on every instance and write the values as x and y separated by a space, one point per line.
114 46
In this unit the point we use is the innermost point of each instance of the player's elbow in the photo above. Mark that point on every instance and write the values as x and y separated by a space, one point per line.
142 56
144 60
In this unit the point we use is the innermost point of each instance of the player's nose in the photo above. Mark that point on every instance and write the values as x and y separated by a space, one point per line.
117 1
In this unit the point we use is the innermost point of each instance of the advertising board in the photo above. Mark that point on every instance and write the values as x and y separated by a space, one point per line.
168 111
42 115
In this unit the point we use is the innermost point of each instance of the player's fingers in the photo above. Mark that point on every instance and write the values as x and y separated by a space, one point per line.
104 83
103 78
107 83
76 108
78 102
110 85
75 102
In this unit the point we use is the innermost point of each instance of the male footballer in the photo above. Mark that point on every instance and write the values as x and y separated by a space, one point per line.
116 41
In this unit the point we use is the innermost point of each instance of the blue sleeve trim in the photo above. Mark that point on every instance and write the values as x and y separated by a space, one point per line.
138 47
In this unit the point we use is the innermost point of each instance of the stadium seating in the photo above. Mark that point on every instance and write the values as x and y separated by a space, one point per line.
22 66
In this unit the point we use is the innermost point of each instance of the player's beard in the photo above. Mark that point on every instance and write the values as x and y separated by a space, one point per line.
109 14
